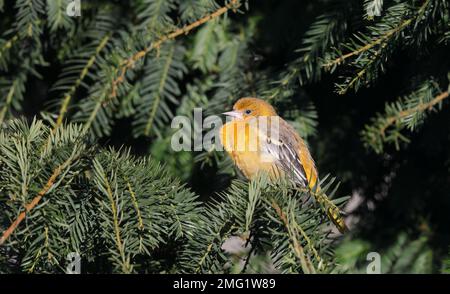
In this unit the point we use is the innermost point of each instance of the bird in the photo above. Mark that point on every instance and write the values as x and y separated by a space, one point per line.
257 140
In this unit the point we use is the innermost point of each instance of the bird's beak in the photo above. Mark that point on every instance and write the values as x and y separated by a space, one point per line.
235 114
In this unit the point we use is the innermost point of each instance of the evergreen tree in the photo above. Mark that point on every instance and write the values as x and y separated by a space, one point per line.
86 105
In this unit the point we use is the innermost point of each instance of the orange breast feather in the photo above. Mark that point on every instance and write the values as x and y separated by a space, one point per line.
242 142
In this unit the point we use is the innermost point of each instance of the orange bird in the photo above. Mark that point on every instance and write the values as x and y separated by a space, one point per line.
257 139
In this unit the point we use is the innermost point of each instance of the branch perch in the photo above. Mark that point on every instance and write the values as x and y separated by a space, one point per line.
421 107
56 173
378 41
129 63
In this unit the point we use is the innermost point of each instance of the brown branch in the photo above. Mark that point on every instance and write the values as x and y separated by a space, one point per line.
280 213
28 207
420 107
369 46
84 72
305 262
129 63
136 206
126 266
378 41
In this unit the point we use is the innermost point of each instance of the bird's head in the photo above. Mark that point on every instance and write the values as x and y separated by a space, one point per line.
246 108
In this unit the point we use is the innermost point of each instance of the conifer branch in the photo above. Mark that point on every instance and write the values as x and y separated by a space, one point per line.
157 99
8 45
9 98
136 206
28 207
370 45
407 112
379 41
68 96
130 62
305 262
126 267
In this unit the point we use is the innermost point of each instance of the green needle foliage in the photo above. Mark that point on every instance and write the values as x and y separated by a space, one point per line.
90 204
124 214
406 113
86 105
269 219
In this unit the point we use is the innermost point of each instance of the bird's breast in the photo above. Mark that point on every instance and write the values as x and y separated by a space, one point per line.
246 147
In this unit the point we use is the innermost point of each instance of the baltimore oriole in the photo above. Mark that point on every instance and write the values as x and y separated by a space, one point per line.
257 139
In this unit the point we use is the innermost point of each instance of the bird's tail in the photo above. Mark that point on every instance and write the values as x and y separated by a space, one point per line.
335 216
333 212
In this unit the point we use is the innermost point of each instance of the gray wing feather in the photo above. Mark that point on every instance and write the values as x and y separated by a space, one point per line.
283 147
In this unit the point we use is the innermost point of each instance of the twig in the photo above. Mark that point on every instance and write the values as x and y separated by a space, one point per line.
68 96
136 205
8 102
305 262
129 63
420 107
378 41
57 172
126 267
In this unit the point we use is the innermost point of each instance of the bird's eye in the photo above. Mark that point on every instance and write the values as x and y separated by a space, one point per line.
248 111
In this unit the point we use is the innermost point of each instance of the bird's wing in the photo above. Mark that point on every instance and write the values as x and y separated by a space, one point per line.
290 153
